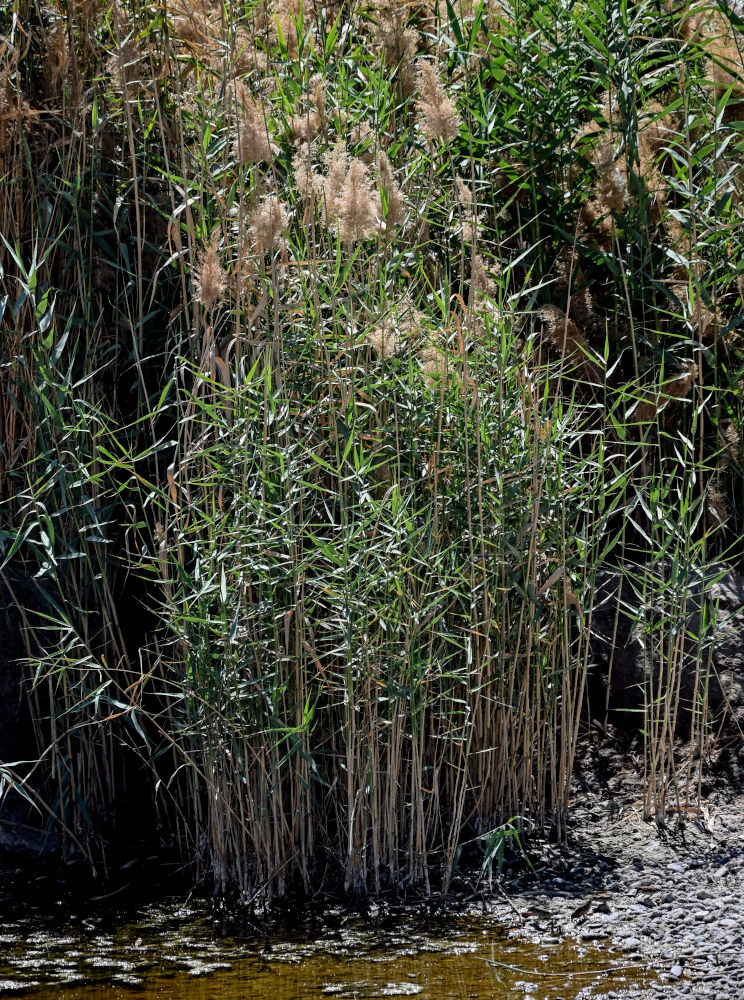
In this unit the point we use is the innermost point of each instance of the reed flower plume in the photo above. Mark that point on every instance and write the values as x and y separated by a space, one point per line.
397 41
433 361
337 165
472 218
672 389
570 343
713 31
437 116
308 124
56 62
307 182
253 143
305 126
211 280
269 223
357 211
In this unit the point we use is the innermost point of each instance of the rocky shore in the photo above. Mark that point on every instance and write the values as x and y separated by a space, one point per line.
671 899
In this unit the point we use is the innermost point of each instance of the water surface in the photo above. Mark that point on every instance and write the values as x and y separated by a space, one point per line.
175 951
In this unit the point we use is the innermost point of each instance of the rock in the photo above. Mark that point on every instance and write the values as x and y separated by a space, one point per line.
660 628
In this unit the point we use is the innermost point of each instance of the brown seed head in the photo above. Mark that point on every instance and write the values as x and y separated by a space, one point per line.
393 199
269 223
211 279
437 115
253 143
308 183
357 214
337 163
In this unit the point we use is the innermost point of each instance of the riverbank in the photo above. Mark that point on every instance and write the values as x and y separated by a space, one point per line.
670 899
651 912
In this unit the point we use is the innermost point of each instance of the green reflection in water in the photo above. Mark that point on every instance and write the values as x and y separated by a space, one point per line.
175 954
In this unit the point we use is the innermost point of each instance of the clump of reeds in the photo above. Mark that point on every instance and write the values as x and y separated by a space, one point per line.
361 521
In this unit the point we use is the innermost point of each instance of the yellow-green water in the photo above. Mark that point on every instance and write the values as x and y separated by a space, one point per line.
174 952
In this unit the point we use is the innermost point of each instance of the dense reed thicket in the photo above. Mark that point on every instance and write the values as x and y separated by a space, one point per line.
341 344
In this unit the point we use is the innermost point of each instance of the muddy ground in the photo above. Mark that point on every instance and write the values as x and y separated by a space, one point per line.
669 897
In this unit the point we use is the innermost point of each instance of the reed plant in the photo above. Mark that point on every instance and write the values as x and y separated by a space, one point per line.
342 345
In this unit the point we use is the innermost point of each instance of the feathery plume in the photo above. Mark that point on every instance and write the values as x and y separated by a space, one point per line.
433 361
674 388
307 182
569 341
357 215
437 115
252 144
337 164
211 279
56 62
268 223
397 42
396 328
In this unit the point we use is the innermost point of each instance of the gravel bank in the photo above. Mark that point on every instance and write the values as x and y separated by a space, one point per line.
672 899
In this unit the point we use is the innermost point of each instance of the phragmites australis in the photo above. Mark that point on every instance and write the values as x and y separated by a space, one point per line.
571 344
357 213
307 182
56 62
337 164
211 280
437 116
253 143
396 40
673 389
433 361
471 217
269 222
306 125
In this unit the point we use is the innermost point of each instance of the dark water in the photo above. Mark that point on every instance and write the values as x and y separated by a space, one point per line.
173 951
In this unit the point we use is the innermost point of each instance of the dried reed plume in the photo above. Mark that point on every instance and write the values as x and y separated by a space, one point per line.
397 41
253 143
269 222
211 280
191 26
673 389
437 115
356 209
472 218
433 361
707 26
602 143
307 182
56 62
306 125
337 164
